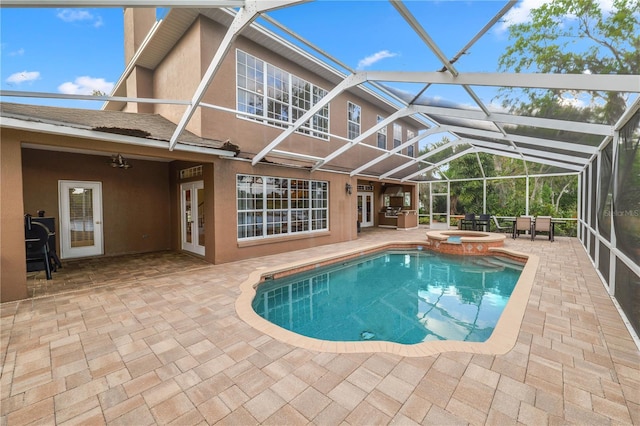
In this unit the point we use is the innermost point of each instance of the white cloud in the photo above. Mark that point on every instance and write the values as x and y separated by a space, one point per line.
21 77
521 13
98 22
85 86
18 52
78 15
568 100
372 59
73 15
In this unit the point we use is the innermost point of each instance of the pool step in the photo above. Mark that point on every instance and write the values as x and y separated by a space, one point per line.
504 262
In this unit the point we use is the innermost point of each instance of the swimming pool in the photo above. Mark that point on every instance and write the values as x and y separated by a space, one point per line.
502 339
399 296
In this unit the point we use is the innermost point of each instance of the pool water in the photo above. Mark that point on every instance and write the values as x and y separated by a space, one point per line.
404 297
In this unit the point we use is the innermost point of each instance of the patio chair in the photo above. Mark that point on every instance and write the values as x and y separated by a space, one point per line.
542 224
483 222
469 221
523 224
507 229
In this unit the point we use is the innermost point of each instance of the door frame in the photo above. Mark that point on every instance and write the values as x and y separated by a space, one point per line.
97 249
433 214
194 246
364 195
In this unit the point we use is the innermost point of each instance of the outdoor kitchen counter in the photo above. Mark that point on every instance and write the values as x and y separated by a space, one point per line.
407 219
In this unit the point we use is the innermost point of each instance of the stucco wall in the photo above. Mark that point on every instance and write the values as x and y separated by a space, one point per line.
342 213
252 136
135 201
13 270
178 76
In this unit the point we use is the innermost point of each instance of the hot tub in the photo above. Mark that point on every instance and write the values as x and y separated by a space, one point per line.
463 242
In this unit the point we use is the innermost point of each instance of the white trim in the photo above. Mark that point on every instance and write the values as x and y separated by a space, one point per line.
47 95
60 129
66 249
582 82
123 3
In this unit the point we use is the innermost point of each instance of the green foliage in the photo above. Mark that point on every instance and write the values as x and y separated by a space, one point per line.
574 37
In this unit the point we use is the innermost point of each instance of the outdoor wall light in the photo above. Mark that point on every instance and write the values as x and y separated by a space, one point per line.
347 188
118 161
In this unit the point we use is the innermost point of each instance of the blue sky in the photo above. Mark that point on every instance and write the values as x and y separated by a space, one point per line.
61 50
78 51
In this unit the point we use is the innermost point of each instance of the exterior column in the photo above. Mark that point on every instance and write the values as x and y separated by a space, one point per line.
13 279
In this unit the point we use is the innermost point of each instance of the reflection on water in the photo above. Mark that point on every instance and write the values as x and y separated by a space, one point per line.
403 297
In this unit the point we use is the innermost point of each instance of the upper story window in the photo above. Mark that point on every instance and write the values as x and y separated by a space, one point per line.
382 135
397 135
278 97
353 120
410 135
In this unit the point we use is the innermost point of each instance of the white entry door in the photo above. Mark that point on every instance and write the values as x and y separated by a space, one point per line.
365 209
193 216
81 232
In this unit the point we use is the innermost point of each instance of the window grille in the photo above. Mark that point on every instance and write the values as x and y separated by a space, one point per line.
271 206
365 188
277 97
353 120
191 172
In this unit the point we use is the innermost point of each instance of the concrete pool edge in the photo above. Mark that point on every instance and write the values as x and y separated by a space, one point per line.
502 339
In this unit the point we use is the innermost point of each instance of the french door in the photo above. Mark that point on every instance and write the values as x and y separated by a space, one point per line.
80 205
192 223
365 209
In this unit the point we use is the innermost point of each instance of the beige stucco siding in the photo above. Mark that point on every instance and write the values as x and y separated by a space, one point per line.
13 269
178 76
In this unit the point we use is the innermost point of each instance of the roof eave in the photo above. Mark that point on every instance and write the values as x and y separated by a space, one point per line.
63 130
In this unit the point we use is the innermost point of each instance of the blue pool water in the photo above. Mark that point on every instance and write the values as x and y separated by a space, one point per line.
404 297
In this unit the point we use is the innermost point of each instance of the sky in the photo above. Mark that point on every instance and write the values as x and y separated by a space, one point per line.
81 50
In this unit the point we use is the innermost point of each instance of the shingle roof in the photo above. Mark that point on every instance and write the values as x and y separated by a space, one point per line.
147 126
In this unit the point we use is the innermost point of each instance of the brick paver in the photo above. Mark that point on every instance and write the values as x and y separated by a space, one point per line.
167 347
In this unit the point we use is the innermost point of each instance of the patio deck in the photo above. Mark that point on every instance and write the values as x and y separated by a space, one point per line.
159 342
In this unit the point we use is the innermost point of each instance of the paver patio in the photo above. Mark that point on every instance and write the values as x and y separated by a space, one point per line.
158 347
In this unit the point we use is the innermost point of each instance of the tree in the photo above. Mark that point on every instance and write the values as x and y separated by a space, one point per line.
575 37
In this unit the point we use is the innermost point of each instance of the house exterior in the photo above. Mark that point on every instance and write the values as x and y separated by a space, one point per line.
204 195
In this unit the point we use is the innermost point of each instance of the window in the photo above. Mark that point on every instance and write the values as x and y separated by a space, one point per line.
353 121
250 83
382 135
277 95
410 135
286 97
191 172
397 135
271 206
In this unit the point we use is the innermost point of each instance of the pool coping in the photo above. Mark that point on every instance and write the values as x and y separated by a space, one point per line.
501 341
465 236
